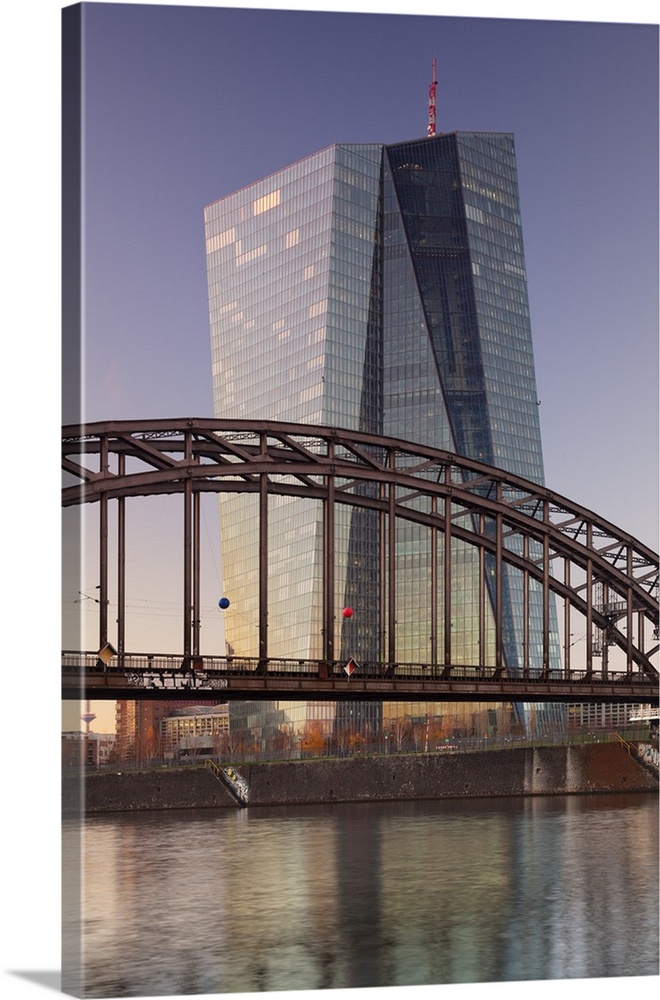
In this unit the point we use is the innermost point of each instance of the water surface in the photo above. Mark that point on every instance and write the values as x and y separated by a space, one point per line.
340 896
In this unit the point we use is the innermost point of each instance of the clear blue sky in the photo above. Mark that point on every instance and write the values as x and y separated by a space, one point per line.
186 104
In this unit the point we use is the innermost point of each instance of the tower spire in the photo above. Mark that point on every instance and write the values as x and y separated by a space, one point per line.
88 716
432 90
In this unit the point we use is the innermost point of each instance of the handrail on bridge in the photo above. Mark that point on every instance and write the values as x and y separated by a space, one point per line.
283 666
224 680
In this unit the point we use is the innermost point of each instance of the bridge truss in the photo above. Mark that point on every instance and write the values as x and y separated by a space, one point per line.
574 559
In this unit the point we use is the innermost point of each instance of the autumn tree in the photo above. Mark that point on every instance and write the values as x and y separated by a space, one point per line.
151 746
356 742
284 740
313 737
437 733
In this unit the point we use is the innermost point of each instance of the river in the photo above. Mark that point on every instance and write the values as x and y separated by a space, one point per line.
358 895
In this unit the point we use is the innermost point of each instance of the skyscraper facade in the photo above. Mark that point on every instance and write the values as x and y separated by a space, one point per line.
379 288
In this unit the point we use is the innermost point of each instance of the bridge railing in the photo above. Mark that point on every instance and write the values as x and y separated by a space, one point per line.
236 666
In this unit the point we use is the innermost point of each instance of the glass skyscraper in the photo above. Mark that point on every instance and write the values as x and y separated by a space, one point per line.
382 289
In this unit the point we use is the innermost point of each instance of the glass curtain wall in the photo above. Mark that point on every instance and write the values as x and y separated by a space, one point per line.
293 268
380 288
455 209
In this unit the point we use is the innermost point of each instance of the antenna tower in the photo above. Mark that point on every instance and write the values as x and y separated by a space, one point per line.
432 90
88 716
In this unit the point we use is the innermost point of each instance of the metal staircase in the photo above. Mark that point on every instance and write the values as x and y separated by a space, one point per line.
230 778
645 753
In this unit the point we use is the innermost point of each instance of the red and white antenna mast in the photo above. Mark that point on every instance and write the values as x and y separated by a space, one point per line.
432 90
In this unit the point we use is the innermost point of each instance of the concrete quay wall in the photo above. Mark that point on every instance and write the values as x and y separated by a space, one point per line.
557 770
136 791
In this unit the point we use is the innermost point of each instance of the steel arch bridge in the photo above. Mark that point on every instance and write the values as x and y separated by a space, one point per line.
573 558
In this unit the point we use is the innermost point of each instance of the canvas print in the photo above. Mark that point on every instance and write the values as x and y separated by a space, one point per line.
359 454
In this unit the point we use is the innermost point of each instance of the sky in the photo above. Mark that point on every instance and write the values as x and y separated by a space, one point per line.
184 105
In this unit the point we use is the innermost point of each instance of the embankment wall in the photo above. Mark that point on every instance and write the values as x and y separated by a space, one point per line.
523 771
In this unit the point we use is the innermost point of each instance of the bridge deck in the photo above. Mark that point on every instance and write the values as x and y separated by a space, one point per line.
167 677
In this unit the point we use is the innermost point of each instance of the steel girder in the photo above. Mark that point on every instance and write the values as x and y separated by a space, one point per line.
514 521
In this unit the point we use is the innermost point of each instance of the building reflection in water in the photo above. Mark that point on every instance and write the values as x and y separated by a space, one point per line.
371 894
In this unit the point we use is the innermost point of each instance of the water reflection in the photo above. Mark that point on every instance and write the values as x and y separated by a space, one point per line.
369 895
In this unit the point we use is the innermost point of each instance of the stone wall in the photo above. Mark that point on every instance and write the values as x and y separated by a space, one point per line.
560 770
525 771
169 788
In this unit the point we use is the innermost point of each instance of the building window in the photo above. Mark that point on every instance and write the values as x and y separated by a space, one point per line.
264 204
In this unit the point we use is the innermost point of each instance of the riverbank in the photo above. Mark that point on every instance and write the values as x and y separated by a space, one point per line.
557 770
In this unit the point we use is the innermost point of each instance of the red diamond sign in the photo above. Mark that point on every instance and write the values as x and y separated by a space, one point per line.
350 667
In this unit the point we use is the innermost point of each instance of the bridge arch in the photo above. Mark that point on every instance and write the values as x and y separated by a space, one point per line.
570 554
